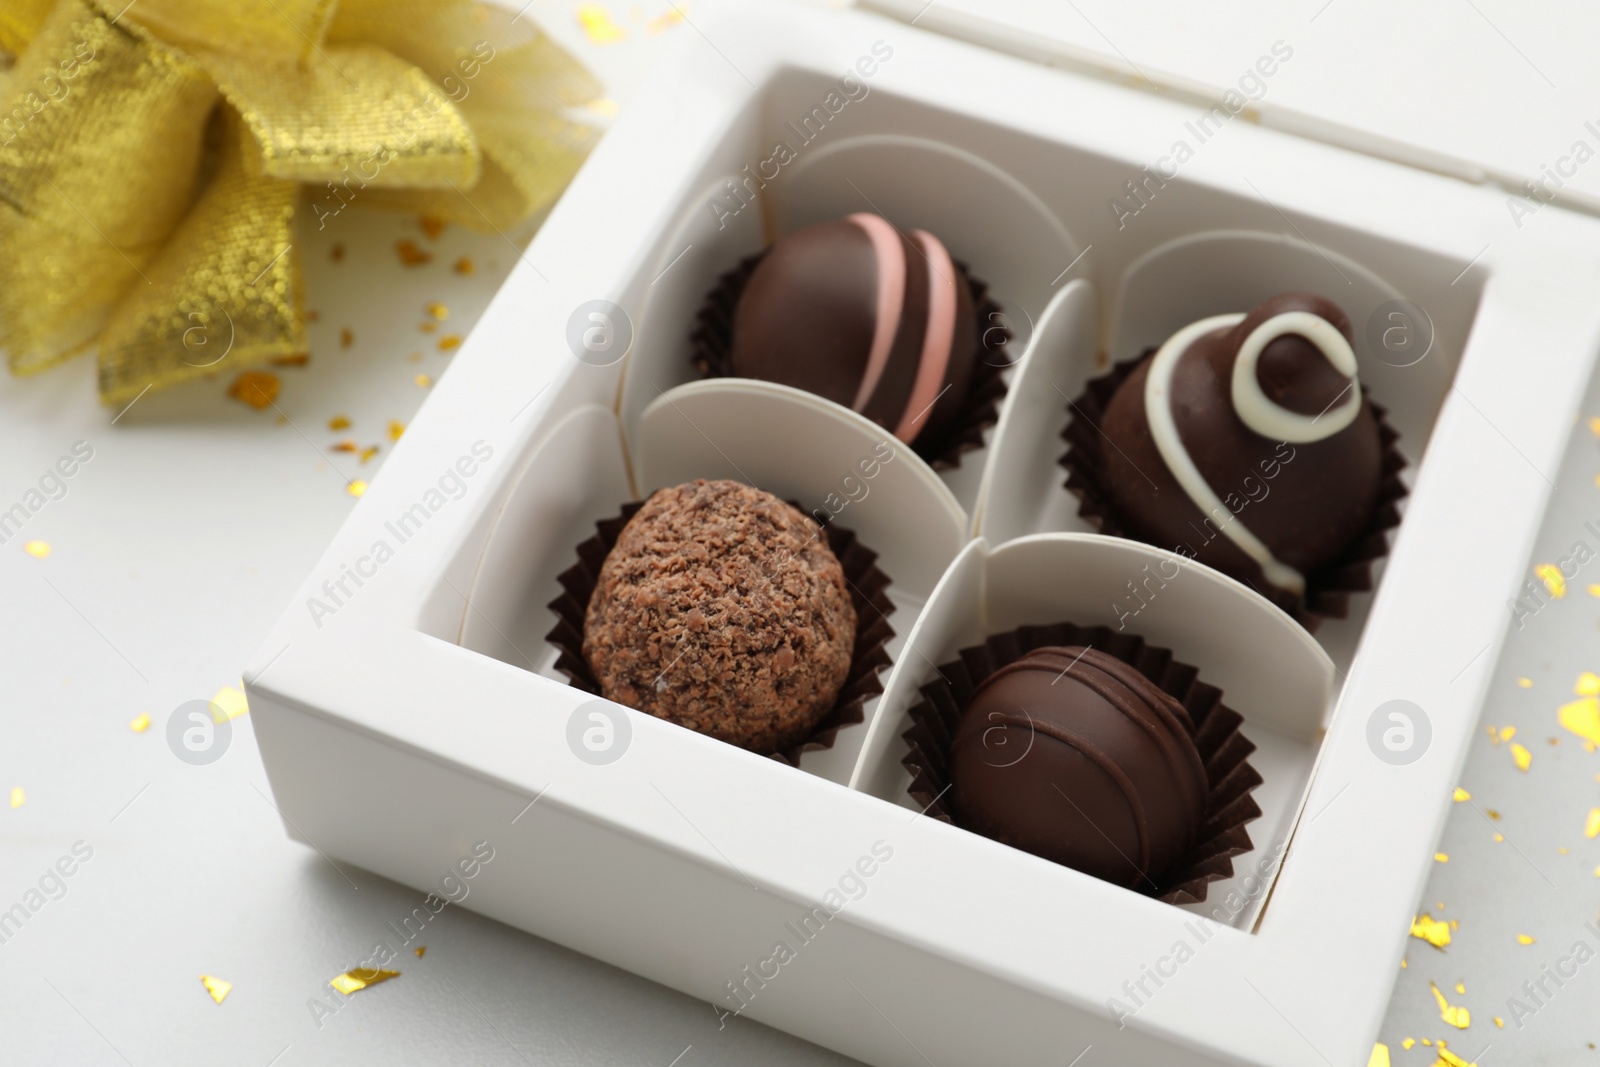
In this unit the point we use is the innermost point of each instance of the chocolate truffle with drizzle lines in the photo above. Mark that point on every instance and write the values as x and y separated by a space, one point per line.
858 312
1246 442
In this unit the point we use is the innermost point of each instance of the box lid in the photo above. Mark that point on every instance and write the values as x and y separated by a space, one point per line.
1363 75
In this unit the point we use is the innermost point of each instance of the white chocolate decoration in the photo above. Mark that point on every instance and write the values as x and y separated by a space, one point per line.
1276 423
1164 431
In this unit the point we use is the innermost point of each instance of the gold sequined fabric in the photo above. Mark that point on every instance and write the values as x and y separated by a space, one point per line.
153 158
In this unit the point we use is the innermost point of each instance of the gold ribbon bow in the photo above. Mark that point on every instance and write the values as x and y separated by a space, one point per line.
153 156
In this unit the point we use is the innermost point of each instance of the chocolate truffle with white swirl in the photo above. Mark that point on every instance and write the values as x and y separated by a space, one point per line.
1246 442
867 316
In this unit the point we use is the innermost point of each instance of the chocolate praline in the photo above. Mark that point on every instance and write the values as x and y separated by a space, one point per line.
1246 442
869 317
1073 755
721 608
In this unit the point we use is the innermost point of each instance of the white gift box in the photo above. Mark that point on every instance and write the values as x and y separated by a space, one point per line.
407 704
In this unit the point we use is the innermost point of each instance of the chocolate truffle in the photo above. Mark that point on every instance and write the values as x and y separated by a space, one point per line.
866 316
1075 756
722 608
1246 442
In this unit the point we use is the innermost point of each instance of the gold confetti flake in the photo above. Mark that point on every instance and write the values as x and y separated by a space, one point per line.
598 24
1441 857
423 381
396 428
230 702
432 226
346 338
412 254
293 359
336 253
1524 939
1493 814
140 723
1594 425
1454 1014
1461 987
1563 851
368 452
1582 717
1523 757
464 266
428 327
1460 795
217 987
19 796
1380 1056
449 342
1507 733
1407 1043
346 445
438 311
664 22
1587 685
1552 578
356 487
37 549
1498 838
339 422
419 950
356 980
1527 683
1501 1023
1435 932
255 388
1449 1059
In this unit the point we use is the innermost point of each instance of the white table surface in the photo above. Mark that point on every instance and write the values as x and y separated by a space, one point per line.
187 533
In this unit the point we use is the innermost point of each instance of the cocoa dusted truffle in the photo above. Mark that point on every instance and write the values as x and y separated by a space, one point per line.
1246 442
1075 756
722 608
866 316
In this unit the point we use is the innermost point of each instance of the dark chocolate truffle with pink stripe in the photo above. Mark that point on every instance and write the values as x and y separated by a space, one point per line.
1075 756
867 316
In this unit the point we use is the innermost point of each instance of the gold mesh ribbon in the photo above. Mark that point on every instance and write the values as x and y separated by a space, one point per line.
153 158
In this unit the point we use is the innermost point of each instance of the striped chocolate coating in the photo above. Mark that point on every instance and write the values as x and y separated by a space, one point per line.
870 317
1074 756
